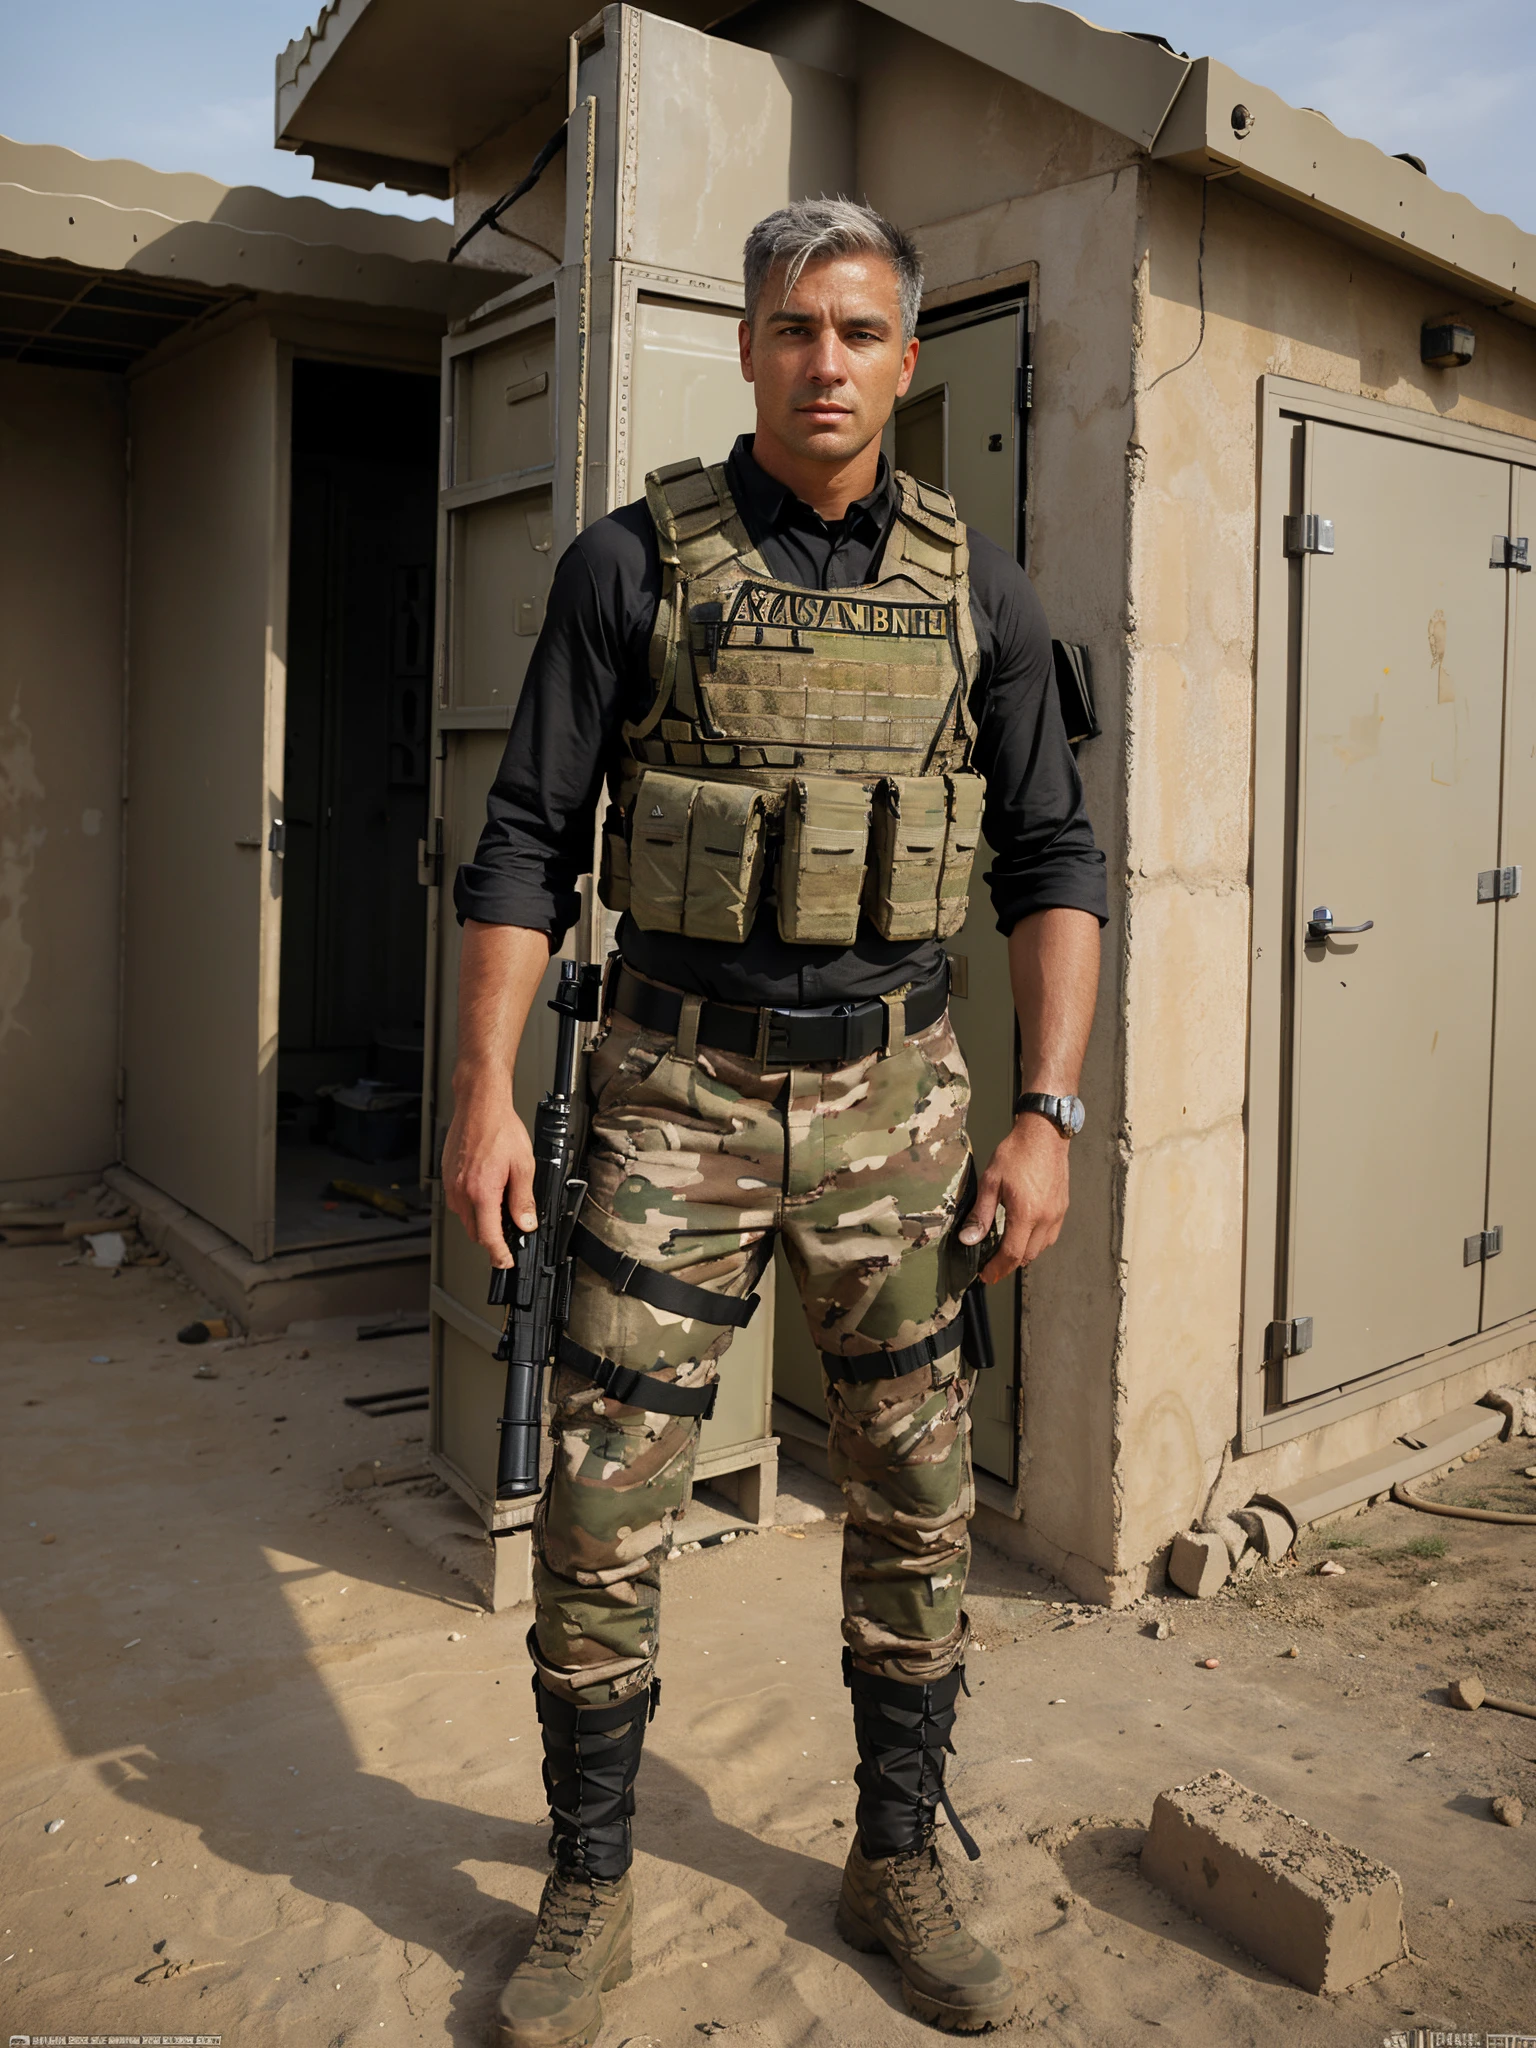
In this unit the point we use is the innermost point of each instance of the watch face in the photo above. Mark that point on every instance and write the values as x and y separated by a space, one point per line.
1075 1114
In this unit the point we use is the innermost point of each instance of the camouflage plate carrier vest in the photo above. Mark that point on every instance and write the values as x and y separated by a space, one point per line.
812 742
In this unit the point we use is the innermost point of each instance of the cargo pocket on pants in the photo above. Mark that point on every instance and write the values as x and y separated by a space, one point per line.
821 868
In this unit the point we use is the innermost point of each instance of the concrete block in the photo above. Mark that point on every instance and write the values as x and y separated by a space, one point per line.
1269 1531
1199 1564
1311 1909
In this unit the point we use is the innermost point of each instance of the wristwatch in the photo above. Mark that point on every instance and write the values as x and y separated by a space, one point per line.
1066 1112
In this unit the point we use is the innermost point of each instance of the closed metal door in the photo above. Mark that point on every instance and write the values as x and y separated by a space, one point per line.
1509 1278
1401 684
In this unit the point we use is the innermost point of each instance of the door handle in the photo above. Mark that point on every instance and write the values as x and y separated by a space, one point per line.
1320 926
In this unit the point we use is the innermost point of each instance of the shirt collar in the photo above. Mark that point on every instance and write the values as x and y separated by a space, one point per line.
769 506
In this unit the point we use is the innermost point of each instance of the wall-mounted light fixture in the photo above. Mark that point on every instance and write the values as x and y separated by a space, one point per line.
1446 344
1242 121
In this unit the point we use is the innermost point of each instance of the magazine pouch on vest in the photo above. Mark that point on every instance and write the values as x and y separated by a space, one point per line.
695 857
821 870
962 833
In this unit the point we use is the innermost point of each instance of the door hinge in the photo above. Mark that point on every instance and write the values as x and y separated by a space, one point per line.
1498 885
429 858
1510 551
1024 398
277 838
1287 1338
1308 534
1481 1245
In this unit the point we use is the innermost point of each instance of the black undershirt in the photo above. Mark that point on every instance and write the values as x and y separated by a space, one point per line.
589 674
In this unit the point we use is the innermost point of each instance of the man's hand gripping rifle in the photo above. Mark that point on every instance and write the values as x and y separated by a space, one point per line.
535 1289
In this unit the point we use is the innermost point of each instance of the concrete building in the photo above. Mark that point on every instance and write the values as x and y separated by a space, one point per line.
1172 324
201 391
1256 405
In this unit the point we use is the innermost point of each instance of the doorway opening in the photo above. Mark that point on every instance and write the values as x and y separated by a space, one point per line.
362 536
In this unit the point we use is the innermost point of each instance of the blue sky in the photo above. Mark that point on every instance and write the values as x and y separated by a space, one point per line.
187 84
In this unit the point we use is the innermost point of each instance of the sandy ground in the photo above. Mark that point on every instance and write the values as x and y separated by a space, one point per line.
243 1688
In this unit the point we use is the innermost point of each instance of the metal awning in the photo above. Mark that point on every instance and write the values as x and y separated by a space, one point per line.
76 319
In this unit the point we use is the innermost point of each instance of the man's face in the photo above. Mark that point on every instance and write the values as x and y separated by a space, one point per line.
827 361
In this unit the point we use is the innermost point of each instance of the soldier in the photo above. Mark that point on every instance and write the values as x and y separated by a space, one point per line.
806 685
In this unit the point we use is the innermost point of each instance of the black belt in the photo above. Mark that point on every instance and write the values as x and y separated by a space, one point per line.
893 1365
637 1389
840 1033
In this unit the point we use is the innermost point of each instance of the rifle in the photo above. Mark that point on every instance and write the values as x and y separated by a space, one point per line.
535 1289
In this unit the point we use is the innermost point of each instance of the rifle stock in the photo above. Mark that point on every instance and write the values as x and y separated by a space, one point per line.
535 1289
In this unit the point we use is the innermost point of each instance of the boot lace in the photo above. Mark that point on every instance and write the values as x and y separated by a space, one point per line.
922 1885
565 1913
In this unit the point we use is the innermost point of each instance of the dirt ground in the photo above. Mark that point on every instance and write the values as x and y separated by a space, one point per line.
241 1688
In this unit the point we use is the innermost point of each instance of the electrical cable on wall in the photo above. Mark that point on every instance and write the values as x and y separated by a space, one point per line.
492 214
1205 193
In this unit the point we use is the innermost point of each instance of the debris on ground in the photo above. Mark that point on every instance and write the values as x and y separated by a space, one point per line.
1508 1809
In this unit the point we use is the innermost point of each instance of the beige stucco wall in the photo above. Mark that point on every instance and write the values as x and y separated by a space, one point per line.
1039 192
531 235
1283 298
62 498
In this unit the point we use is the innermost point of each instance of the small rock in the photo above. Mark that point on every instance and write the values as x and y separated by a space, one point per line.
50 1539
1056 1703
455 1635
1160 1631
1293 1651
1419 1755
1330 1568
1210 1663
1508 1810
204 1372
52 1827
674 1552
1530 1471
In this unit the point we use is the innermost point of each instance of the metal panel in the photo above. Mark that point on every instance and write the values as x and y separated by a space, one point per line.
1402 651
1509 1281
204 887
976 363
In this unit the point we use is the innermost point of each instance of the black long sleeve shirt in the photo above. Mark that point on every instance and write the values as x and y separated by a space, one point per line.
589 674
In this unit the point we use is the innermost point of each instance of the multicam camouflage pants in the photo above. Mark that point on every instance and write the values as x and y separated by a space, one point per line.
690 1165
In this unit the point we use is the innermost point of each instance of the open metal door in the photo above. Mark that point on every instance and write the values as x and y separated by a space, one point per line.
497 517
558 398
207 604
1402 637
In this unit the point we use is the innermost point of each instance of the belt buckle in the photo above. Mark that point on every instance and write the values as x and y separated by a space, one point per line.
774 1038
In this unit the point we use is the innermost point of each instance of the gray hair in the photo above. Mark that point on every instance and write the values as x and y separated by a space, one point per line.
813 228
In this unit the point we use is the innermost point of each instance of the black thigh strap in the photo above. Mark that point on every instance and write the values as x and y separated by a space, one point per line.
892 1365
664 1290
637 1389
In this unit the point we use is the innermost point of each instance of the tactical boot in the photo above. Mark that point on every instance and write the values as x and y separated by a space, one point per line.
895 1892
581 1946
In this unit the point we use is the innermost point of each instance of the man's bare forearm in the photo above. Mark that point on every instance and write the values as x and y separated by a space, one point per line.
487 1157
1053 959
500 968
